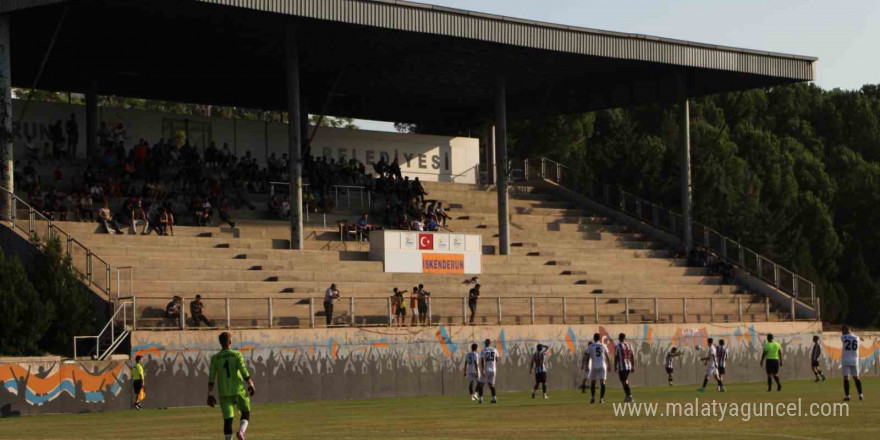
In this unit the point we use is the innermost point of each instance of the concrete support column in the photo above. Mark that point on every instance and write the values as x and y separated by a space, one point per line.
687 212
490 154
6 201
501 166
294 140
92 122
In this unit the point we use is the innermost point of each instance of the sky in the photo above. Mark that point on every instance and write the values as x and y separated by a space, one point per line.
843 34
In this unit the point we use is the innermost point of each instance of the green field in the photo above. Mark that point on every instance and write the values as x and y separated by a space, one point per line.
566 415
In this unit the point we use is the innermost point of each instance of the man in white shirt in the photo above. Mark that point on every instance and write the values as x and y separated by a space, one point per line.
472 369
488 363
850 362
710 362
330 295
597 355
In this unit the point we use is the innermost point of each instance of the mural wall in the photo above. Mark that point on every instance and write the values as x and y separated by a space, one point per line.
47 385
354 363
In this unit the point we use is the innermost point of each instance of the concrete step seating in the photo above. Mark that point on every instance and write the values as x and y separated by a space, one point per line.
557 250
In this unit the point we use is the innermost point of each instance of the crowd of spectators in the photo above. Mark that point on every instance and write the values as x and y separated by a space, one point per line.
702 257
160 185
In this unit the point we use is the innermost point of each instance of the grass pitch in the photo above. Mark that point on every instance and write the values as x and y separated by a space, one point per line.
566 415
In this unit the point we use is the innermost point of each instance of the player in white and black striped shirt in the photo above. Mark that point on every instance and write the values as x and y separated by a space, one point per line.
815 356
721 363
670 363
624 361
539 365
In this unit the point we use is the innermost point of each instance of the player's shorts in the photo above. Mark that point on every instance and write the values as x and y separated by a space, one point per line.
814 364
850 370
772 366
721 371
541 377
137 385
623 375
228 405
423 308
598 373
669 370
472 377
401 311
488 378
710 370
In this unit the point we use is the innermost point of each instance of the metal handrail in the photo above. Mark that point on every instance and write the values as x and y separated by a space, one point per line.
587 310
52 228
347 189
657 216
111 327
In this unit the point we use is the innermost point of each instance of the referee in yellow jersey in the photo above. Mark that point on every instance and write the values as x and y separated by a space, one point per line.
137 381
773 355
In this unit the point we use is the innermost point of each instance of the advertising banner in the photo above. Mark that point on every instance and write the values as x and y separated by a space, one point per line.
443 263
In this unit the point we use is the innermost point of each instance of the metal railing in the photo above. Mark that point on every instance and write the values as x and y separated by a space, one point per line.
113 333
726 249
309 312
346 193
39 229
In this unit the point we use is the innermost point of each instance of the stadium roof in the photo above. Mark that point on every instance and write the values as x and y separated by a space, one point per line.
383 59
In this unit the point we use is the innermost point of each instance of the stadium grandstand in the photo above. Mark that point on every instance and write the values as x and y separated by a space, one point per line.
261 223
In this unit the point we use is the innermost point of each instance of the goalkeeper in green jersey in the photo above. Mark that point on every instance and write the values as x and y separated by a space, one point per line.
231 374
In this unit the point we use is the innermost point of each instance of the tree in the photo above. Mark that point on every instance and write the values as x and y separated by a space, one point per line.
73 309
24 316
333 122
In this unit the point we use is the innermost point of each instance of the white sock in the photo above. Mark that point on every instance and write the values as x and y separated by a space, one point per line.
228 436
243 426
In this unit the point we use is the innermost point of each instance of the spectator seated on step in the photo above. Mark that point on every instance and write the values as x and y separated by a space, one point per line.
418 224
172 312
347 230
105 217
440 214
431 225
364 226
197 312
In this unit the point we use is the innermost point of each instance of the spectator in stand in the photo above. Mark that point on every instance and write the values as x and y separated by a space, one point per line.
473 297
440 214
33 152
404 223
431 225
413 305
394 170
418 224
381 167
56 133
223 212
197 312
331 295
172 312
57 174
424 299
364 226
106 218
72 136
86 207
139 216
166 222
399 303
419 192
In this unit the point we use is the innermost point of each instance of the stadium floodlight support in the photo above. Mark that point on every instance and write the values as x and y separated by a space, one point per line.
294 131
490 154
8 202
501 166
92 121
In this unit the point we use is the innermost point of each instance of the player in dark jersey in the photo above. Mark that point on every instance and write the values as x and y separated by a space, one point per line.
539 365
815 357
231 374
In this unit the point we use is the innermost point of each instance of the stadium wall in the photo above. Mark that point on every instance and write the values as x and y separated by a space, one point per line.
430 158
353 363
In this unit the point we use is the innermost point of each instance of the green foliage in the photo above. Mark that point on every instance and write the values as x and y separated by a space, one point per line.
24 316
792 172
72 306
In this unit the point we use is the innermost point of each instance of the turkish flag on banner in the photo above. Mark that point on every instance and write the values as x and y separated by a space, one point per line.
426 242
